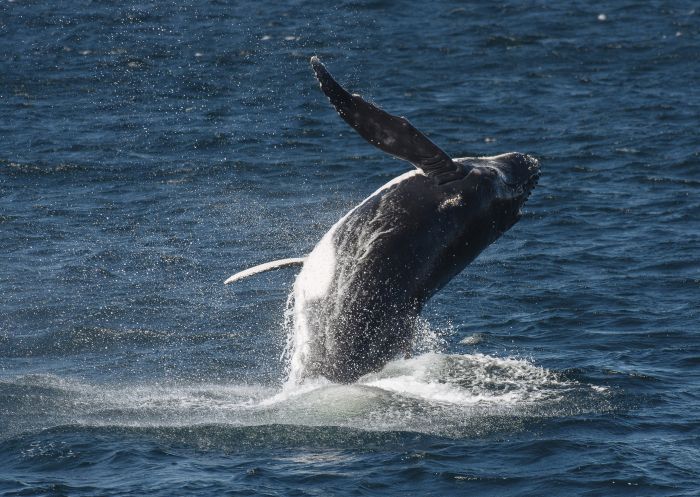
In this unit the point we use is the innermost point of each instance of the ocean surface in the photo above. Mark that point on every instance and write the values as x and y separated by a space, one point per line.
149 150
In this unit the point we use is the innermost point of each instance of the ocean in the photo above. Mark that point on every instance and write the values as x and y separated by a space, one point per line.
149 150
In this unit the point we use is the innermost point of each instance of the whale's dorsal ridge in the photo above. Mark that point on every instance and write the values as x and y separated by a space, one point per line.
392 134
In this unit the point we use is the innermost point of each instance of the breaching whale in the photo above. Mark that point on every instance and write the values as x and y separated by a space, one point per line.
364 284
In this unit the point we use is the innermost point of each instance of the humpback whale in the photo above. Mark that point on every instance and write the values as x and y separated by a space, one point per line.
364 284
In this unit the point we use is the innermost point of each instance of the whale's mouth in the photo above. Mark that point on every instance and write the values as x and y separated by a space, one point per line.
531 183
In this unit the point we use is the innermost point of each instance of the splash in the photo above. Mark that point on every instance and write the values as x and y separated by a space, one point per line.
471 380
439 394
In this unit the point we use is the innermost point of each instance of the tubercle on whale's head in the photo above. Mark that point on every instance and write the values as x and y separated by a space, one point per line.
495 189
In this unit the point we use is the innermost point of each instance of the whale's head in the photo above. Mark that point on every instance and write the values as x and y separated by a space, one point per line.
490 196
506 182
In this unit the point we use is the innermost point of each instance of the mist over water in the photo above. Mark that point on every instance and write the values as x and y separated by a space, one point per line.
149 151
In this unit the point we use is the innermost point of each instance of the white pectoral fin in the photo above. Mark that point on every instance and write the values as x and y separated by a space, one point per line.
268 266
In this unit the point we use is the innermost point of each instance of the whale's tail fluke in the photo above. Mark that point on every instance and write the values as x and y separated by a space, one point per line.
392 134
268 266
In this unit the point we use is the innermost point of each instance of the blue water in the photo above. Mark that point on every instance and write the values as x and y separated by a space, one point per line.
150 150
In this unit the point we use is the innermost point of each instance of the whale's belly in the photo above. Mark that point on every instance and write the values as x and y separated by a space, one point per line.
364 282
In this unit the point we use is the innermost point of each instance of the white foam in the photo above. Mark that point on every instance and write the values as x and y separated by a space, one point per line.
468 380
431 393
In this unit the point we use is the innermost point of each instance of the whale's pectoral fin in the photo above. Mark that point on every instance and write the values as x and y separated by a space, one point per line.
268 266
392 134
